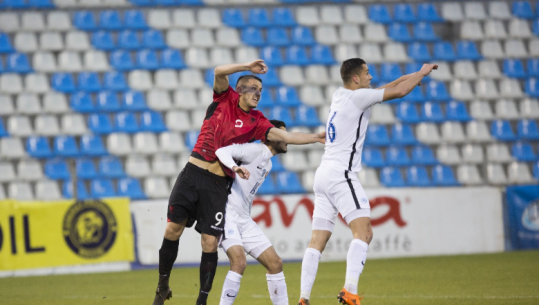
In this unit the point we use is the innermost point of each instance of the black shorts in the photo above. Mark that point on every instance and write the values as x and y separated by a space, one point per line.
199 195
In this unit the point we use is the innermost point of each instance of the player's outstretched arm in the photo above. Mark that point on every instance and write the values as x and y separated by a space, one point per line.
220 81
397 81
298 138
409 84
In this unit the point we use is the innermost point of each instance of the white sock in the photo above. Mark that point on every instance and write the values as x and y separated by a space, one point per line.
277 288
231 286
309 267
355 260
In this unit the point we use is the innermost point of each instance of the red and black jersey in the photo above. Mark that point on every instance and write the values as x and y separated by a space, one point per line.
226 124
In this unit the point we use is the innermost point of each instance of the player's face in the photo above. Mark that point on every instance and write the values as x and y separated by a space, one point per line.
365 77
251 90
280 147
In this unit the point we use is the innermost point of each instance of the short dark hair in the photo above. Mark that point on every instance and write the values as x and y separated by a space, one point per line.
247 77
351 67
278 124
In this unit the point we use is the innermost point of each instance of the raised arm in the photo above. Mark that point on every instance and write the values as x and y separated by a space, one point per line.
298 138
397 81
406 86
220 81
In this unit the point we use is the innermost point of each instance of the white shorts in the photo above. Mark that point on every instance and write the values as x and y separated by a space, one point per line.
338 192
243 231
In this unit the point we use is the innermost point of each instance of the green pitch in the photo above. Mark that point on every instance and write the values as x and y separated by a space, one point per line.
504 278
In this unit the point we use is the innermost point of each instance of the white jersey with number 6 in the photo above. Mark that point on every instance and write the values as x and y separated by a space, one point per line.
346 127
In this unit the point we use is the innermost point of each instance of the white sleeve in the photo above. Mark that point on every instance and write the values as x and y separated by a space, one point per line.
364 98
246 153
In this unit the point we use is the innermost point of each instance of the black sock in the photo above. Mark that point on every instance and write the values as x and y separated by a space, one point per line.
208 266
167 256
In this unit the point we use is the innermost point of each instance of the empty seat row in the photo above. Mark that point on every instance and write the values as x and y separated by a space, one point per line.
455 11
432 112
505 109
473 30
50 41
418 176
145 143
517 173
35 21
71 61
160 165
515 68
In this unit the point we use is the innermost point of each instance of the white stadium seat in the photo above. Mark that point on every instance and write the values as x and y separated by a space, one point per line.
311 95
30 170
9 22
10 83
326 34
73 124
69 61
191 78
492 49
489 69
209 18
395 52
202 38
468 174
534 47
529 108
140 80
58 21
20 191
137 166
480 110
510 88
77 41
471 30
452 12
96 61
186 99
506 109
11 148
48 190
246 54
498 153
370 52
55 102
6 105
171 142
25 42
486 89
495 29
159 100
51 41
36 83
228 37
382 114
368 177
519 28
28 103
461 90
164 165
178 38
515 48
346 51
197 58
350 33
452 132
316 74
292 75
19 126
178 120
145 143
44 62
475 11
220 56
519 173
47 125
448 154
478 132
356 14
156 187
331 14
166 79
307 180
428 133
183 18
295 161
32 21
465 70
307 15
496 174
499 10
443 73
119 144
472 153
159 19
7 171
375 32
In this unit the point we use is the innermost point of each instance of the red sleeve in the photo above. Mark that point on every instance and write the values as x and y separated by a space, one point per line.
225 95
262 128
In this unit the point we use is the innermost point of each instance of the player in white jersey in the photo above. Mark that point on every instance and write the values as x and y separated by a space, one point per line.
241 233
336 186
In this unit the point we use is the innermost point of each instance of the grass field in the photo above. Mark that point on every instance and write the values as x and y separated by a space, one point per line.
504 278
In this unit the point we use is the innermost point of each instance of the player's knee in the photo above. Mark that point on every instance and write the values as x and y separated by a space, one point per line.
208 243
370 235
275 266
174 231
238 265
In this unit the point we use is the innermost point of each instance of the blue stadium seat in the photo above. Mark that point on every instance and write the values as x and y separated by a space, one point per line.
432 112
287 96
65 146
514 68
307 116
288 182
84 20
191 138
92 146
502 131
165 2
302 36
527 129
153 39
442 175
404 13
18 63
531 87
40 3
536 170
252 36
283 16
278 37
99 123
82 102
147 60
268 187
535 26
522 9
379 13
270 78
130 187
390 72
373 71
38 147
523 151
407 113
152 121
533 67
372 157
282 114
399 32
5 44
126 122
266 99
121 60
135 20
82 191
191 2
272 56
418 176
444 51
63 82
233 18
3 131
85 169
142 2
416 95
423 31
128 40
397 156
456 111
56 169
258 17
89 81
437 91
467 50
134 101
172 59
209 75
101 188
102 40
115 81
423 155
427 12
297 55
2 69
392 177
377 135
402 134
110 20
111 167
322 54
108 102
232 79
418 51
277 166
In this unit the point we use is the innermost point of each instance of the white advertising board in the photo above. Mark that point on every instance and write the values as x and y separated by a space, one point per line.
406 222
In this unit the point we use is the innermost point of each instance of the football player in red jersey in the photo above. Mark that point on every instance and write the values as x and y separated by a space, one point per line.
201 190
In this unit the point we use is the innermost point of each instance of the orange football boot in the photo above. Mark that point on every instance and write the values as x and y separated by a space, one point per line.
346 297
303 301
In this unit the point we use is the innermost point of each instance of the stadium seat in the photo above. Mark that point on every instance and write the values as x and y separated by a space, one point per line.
514 68
442 175
65 146
427 12
390 72
84 20
30 170
468 174
110 20
423 155
536 170
135 20
5 44
392 177
85 169
133 101
233 18
152 121
164 165
407 113
114 81
121 60
101 188
252 36
502 131
423 31
432 112
63 82
288 182
283 16
107 102
3 132
82 191
322 55
404 13
126 122
172 59
444 51
535 27
532 87
402 134
147 60
377 135
153 39
258 17
467 50
437 91
128 39
527 129
496 174
519 173
12 148
456 111
92 146
38 147
100 123
46 125
209 18
89 81
419 52
418 176
270 78
379 13
523 151
82 102
522 9
272 56
397 156
57 169
373 157
307 116
130 187
302 36
399 32
191 139
156 187
297 55
111 167
533 67
18 63
268 187
282 114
